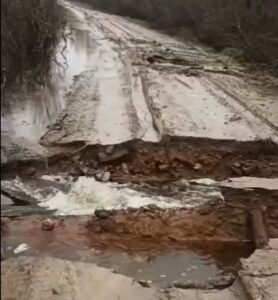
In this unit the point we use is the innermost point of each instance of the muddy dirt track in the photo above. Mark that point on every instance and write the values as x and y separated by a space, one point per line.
140 84
124 81
141 115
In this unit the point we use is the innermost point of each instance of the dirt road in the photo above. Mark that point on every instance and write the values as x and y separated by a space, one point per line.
139 83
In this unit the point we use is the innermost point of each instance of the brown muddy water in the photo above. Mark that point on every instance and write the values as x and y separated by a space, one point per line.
204 264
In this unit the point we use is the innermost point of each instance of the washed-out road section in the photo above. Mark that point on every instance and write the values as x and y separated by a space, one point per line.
141 84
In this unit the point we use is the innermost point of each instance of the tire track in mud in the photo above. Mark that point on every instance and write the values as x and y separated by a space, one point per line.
126 76
136 128
132 90
157 120
243 103
133 103
154 114
254 120
184 55
74 122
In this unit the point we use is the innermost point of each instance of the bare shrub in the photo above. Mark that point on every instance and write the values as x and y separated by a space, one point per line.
248 25
30 31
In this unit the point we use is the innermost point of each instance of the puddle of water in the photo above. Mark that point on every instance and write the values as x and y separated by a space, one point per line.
198 264
163 269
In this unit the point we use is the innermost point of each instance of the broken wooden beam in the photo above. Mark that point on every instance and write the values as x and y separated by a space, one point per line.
258 228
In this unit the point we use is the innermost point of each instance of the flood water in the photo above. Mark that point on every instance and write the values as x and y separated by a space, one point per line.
200 264
192 262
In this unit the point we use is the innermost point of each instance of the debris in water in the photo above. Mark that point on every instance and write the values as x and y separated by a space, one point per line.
104 177
197 166
21 248
145 283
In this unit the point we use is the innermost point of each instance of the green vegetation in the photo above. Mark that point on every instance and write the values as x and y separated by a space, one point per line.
30 31
248 25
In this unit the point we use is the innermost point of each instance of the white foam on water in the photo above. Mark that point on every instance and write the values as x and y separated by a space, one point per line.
87 195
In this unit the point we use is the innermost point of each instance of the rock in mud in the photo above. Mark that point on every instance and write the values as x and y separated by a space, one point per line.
103 176
222 282
48 225
236 168
249 169
163 167
189 285
31 171
125 168
145 283
102 214
109 149
115 155
16 194
197 166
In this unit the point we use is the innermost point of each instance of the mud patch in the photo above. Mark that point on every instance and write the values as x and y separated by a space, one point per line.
173 158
